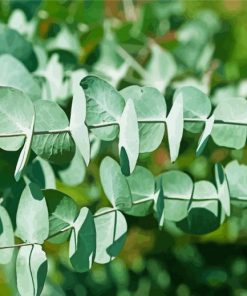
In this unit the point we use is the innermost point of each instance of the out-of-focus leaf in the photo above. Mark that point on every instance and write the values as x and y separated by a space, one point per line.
11 71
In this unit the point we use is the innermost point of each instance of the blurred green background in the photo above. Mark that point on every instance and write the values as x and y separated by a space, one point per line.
208 41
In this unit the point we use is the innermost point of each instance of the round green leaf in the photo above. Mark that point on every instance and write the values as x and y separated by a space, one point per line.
230 135
141 184
12 70
196 105
16 116
150 106
106 102
32 215
55 147
177 190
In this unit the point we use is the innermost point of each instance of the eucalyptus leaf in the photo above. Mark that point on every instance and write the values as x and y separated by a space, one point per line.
196 105
78 128
128 141
57 147
16 116
25 153
237 179
177 190
11 42
8 77
141 184
82 245
31 270
204 210
115 184
150 105
111 231
209 123
175 125
6 236
74 173
161 68
63 211
222 188
229 135
32 225
103 100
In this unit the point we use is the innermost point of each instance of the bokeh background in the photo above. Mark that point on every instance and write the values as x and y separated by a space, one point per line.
206 43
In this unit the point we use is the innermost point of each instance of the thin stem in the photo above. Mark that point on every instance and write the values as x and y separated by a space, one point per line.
141 201
105 212
131 62
111 123
69 227
19 245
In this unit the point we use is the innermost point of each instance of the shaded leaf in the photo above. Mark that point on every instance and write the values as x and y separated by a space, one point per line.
82 245
31 270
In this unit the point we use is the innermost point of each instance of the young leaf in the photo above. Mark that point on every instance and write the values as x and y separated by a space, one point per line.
222 188
62 214
8 77
6 236
111 229
31 270
128 139
106 102
78 128
229 135
150 105
196 105
209 123
82 244
57 147
32 215
24 156
141 184
175 125
16 116
114 184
